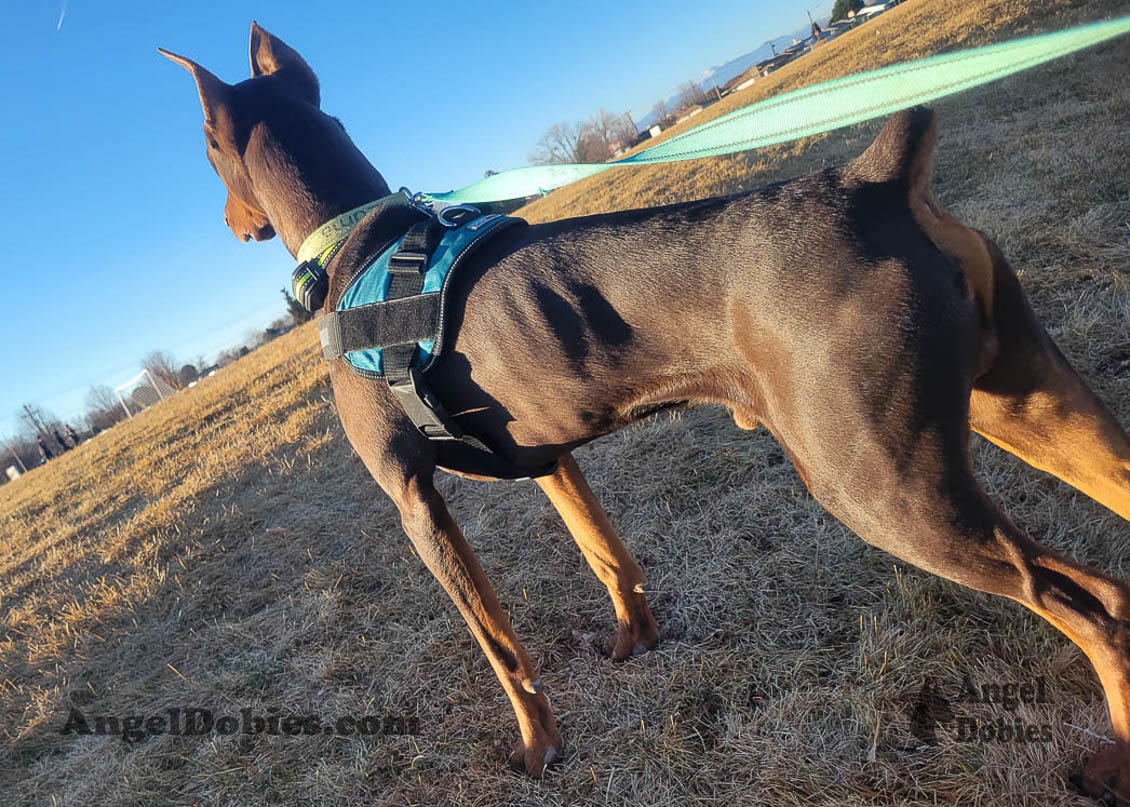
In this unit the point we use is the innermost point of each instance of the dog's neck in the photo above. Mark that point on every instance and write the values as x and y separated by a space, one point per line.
306 175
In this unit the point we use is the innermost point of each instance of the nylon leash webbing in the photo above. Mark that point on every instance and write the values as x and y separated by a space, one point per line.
813 110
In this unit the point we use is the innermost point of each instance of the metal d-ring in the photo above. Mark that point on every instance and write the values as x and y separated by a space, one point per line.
442 216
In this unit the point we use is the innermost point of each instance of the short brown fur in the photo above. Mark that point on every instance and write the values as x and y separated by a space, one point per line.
863 326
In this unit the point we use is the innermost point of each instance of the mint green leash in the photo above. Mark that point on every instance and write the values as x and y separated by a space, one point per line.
813 110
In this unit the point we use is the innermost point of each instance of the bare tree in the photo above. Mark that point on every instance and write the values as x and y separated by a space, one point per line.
38 420
614 130
103 409
21 451
592 148
690 95
101 397
188 373
660 112
163 366
592 141
255 338
559 144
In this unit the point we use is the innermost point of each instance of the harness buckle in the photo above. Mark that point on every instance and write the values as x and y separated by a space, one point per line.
408 263
422 408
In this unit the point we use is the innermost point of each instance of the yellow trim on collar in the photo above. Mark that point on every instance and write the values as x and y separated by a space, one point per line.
319 242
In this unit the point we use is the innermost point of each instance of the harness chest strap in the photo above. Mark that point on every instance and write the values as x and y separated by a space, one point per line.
407 320
400 333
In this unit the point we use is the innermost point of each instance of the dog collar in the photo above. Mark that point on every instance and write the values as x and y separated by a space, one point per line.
309 279
334 231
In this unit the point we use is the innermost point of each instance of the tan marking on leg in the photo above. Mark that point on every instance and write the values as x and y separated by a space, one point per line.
606 555
1064 430
1093 611
452 561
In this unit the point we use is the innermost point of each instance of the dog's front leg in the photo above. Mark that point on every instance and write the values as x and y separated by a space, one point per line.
402 462
442 547
606 555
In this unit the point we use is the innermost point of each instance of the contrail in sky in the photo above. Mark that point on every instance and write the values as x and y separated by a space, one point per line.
62 14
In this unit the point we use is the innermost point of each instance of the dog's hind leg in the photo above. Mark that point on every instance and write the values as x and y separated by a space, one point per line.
900 478
932 513
1033 404
606 555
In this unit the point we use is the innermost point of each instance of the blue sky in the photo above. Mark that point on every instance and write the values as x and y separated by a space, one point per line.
114 220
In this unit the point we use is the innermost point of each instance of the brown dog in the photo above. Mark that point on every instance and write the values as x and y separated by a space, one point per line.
845 311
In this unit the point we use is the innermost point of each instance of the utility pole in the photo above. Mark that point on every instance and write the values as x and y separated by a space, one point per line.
34 420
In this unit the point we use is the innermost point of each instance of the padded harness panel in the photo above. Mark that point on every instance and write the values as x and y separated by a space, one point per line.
366 322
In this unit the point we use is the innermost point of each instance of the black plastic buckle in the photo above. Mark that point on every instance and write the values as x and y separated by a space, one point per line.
422 408
408 263
310 284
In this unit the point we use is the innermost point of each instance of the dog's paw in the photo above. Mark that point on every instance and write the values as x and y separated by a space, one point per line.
637 635
1106 777
533 760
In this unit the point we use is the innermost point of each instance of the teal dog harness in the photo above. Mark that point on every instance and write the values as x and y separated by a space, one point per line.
368 320
390 322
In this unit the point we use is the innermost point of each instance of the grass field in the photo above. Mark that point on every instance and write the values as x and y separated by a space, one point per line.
226 549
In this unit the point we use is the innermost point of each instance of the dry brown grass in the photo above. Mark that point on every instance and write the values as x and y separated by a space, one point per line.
227 550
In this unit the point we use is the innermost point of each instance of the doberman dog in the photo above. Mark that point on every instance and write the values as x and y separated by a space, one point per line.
866 328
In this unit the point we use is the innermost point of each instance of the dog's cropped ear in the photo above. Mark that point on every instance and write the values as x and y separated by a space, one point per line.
270 56
902 151
213 92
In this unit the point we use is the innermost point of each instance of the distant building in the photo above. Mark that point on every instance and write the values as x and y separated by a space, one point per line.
654 130
690 114
13 473
873 10
740 81
776 63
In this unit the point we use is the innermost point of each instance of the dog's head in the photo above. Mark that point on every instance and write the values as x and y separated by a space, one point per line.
242 121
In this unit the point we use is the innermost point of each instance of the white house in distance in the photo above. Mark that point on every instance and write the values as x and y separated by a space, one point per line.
872 10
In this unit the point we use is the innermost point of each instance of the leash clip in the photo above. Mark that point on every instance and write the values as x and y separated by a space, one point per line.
451 216
418 201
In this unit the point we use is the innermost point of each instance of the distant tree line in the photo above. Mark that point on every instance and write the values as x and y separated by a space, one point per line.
103 408
595 140
690 95
599 138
